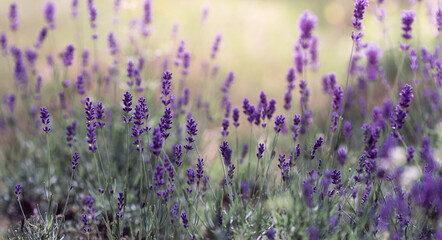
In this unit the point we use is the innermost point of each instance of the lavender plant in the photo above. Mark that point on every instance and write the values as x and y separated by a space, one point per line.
165 162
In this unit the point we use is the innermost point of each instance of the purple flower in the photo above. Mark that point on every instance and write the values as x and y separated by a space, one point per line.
348 129
316 146
235 116
147 15
49 10
336 178
410 153
159 176
92 13
62 100
112 43
17 191
270 233
71 131
157 142
279 122
406 96
225 125
184 220
307 22
190 178
4 43
100 114
295 127
85 58
120 205
76 156
166 85
178 152
80 85
245 149
9 100
284 166
342 155
261 149
407 18
192 131
358 13
215 46
166 122
68 55
338 94
174 213
373 54
439 20
228 82
13 16
41 37
199 170
226 153
74 5
414 62
44 115
127 102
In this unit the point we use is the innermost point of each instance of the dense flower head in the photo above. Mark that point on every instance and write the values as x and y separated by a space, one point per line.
147 15
157 142
439 19
284 167
347 129
410 153
316 146
226 153
190 178
235 116
373 54
44 116
407 18
165 89
166 122
4 43
199 170
92 13
215 46
68 55
338 95
358 13
49 10
13 16
406 95
229 79
113 46
307 22
178 152
225 127
74 10
71 132
261 148
192 131
41 37
75 158
279 122
342 155
184 220
99 114
17 191
414 62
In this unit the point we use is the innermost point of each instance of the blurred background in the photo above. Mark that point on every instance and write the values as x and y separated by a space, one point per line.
257 35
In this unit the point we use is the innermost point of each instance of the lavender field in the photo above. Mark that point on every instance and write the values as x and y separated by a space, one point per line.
221 119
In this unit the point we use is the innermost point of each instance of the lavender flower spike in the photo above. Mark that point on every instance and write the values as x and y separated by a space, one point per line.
44 115
358 13
76 156
406 96
68 55
13 17
307 22
316 146
407 18
17 191
215 46
49 11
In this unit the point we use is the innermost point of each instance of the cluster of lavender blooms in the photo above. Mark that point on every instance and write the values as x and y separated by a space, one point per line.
344 177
